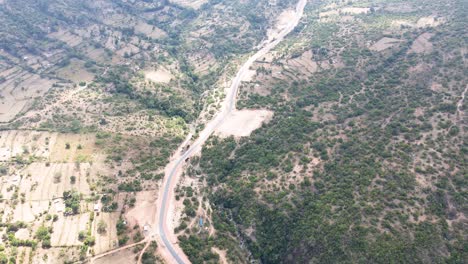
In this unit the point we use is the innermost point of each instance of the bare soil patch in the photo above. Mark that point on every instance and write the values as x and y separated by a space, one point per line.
144 211
429 21
355 10
241 123
422 44
282 22
384 43
195 4
125 256
161 75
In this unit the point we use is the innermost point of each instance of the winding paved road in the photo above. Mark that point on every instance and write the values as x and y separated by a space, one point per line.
173 169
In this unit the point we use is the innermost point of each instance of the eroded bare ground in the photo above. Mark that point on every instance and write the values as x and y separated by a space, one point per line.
241 123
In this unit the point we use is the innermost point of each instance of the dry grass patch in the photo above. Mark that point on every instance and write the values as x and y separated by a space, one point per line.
73 148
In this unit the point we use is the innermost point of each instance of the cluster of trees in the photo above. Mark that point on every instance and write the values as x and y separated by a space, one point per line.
72 202
43 234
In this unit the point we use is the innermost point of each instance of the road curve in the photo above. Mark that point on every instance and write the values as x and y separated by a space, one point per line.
174 251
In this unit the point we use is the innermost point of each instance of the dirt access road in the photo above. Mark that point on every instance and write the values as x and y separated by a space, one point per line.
165 235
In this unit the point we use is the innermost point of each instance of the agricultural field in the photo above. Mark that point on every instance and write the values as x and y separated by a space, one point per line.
70 188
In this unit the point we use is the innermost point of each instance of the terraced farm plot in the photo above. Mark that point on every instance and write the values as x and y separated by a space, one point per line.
76 72
66 230
18 91
71 39
49 182
149 30
107 240
14 142
29 211
385 43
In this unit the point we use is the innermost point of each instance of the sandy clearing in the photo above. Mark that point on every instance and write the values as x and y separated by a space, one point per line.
355 10
429 21
162 75
165 201
195 4
249 75
23 234
422 44
345 10
125 256
241 123
222 255
384 43
144 211
281 23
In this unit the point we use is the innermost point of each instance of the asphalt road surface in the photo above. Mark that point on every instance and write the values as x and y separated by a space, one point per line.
228 105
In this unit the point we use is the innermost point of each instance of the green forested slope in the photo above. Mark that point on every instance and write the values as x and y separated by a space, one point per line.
389 182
